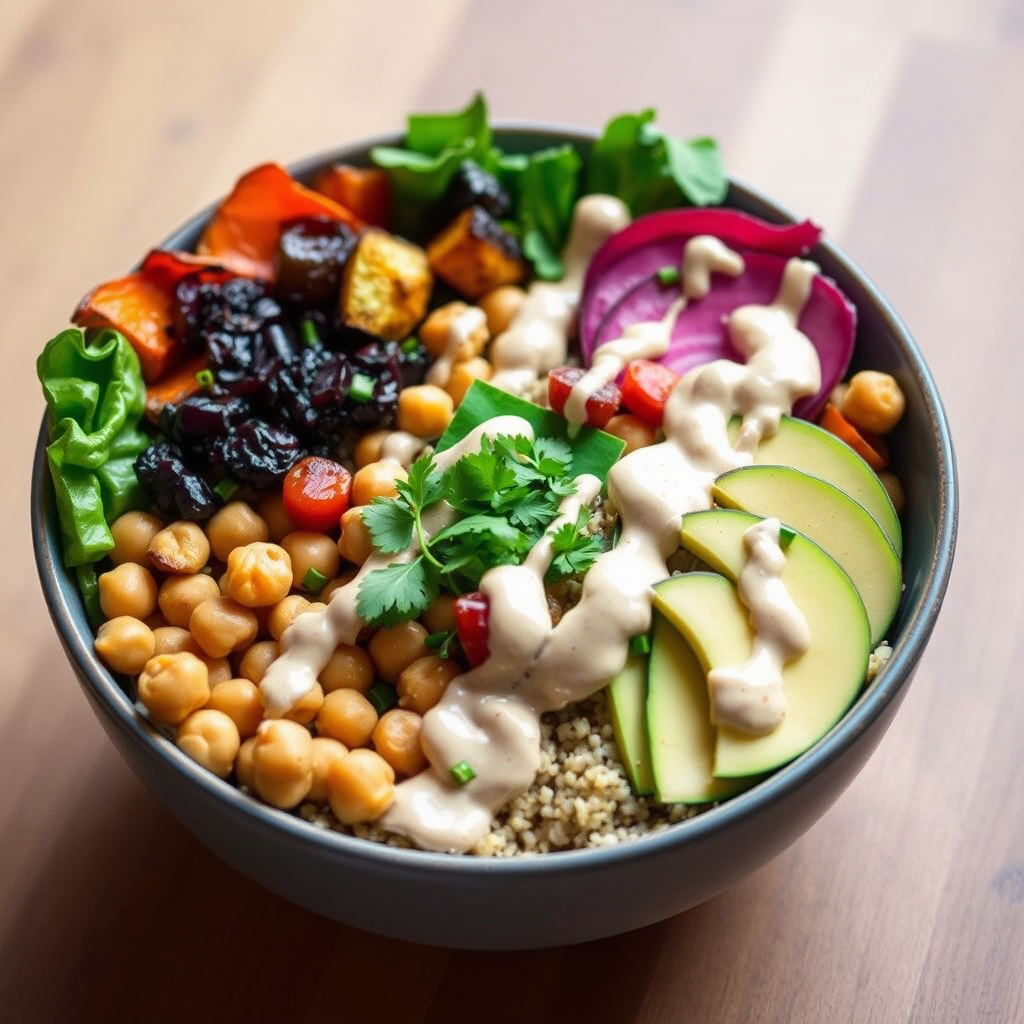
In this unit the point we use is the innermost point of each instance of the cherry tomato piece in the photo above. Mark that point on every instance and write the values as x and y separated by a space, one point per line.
472 618
316 493
601 406
645 389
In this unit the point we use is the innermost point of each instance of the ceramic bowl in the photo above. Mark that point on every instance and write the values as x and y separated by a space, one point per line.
552 899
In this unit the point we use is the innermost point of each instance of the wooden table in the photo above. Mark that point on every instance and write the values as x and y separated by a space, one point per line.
898 126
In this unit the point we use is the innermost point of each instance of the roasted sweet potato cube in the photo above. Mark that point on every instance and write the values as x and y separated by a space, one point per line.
475 254
386 286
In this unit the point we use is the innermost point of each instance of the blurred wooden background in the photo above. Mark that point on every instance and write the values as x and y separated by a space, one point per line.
895 123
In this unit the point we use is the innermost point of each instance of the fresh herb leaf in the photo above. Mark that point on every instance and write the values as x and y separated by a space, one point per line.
547 191
397 593
423 485
573 551
390 523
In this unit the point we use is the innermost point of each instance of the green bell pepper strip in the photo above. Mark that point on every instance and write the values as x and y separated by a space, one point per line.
95 396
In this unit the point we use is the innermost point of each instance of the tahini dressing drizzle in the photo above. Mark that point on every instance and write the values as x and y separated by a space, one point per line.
490 716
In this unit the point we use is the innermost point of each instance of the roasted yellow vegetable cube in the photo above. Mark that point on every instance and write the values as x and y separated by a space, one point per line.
475 254
386 286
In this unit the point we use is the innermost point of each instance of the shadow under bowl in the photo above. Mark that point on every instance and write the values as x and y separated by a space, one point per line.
559 898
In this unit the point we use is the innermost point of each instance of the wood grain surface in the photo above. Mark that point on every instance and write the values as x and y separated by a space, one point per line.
895 124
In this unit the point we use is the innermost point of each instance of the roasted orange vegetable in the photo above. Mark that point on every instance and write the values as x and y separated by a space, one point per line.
870 447
244 231
173 387
474 254
366 191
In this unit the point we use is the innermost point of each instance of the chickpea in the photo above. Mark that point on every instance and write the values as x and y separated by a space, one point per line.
218 669
156 620
424 410
211 738
272 511
348 716
127 589
435 332
396 737
172 686
422 684
259 574
894 488
336 584
377 480
221 625
282 763
239 699
874 401
368 447
355 544
326 753
463 374
311 551
257 659
632 430
501 306
234 526
395 648
284 613
348 669
132 533
307 707
173 640
360 786
440 615
180 596
125 644
181 547
243 763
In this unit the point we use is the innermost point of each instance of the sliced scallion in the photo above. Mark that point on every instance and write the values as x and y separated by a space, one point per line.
314 580
225 489
310 335
786 536
382 696
205 378
463 772
361 389
668 275
640 644
411 344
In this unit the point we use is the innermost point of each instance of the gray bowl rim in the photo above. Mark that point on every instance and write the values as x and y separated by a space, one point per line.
105 690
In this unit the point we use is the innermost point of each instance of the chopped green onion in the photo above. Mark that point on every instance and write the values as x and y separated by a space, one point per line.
361 390
640 644
411 344
204 378
225 489
786 536
463 772
314 580
310 335
668 275
382 696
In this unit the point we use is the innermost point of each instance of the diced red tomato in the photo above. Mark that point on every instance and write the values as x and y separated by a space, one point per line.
472 618
645 389
316 493
601 406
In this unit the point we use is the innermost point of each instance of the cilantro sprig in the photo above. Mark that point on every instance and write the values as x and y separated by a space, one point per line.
504 497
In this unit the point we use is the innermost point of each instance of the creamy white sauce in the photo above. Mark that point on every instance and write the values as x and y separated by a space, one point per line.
490 716
750 696
458 344
537 339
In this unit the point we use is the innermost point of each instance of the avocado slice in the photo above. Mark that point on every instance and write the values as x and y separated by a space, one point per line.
682 737
833 520
821 684
627 702
816 451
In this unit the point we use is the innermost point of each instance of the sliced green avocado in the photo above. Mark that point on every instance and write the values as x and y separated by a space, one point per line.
678 714
833 520
821 684
627 701
816 451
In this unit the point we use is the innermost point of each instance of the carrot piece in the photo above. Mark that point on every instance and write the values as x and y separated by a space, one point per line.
166 268
244 231
174 387
366 191
141 310
869 447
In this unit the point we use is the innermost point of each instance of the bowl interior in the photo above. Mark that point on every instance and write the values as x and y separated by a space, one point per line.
924 459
